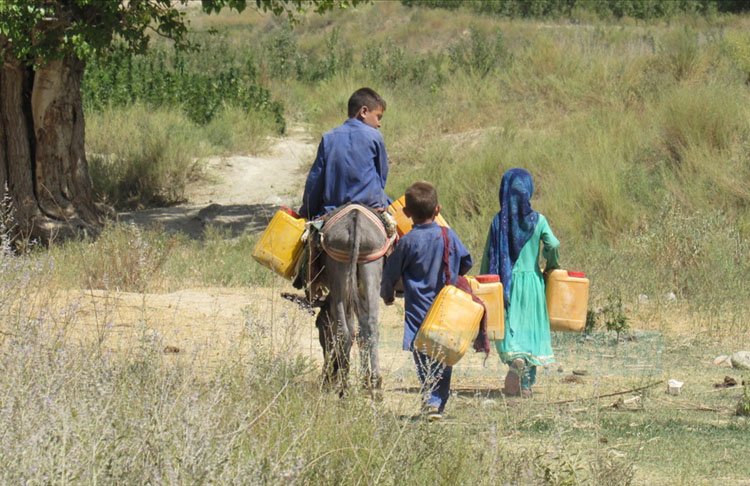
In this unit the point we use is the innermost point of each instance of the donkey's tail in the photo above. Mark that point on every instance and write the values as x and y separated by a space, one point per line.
352 289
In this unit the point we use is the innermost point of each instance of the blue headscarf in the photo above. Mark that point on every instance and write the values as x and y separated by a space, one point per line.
512 226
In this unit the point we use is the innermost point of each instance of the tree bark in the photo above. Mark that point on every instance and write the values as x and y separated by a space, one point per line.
42 150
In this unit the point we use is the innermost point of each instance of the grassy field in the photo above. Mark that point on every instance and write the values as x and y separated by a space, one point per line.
638 136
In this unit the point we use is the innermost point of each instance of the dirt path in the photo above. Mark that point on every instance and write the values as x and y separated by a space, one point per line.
241 193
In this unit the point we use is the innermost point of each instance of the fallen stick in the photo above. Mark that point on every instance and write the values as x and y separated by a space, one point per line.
609 394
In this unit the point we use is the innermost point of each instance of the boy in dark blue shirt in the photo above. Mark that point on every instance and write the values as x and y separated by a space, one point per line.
351 165
418 261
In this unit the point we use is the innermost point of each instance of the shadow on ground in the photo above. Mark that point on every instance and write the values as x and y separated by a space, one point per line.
235 219
461 392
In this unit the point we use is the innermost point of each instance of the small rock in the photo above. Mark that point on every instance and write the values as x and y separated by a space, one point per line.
628 403
723 360
580 372
171 350
674 386
727 383
741 360
560 369
573 379
670 297
642 298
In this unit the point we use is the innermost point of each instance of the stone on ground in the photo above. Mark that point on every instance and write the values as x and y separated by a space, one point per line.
741 360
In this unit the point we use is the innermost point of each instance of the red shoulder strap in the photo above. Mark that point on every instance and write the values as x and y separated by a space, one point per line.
446 255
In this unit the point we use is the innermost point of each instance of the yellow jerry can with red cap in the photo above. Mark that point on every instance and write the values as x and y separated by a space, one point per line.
403 222
280 245
450 327
489 289
567 295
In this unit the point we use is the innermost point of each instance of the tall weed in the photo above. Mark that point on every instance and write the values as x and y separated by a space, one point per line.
200 82
142 157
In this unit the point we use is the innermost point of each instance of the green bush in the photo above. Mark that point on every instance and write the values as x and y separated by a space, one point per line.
478 53
640 9
200 82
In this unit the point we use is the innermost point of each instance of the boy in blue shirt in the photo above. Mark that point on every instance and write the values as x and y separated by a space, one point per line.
351 165
418 261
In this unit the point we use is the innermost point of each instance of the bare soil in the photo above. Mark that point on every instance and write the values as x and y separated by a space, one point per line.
240 192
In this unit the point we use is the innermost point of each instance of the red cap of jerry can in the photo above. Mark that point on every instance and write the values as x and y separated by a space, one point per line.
489 278
290 212
576 274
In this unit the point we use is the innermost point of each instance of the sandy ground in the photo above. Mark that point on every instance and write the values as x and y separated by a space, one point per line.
218 326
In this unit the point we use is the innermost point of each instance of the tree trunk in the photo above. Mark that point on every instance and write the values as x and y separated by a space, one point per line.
42 158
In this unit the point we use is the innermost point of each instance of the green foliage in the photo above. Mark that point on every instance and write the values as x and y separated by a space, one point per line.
736 45
142 157
640 9
680 52
478 53
613 314
591 318
54 29
162 77
743 406
396 66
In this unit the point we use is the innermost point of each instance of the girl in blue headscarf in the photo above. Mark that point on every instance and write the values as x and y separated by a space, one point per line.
512 251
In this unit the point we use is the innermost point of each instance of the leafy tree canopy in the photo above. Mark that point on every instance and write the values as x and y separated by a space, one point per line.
36 30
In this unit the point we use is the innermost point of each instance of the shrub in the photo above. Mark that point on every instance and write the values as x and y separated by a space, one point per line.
124 258
478 53
141 157
200 82
743 406
614 316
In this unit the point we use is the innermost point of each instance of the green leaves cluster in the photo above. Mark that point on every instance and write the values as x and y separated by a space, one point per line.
200 82
640 9
39 30
36 30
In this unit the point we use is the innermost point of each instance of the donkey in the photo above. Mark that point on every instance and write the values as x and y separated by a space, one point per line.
354 240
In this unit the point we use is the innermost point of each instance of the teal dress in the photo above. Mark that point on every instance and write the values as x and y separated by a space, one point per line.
527 333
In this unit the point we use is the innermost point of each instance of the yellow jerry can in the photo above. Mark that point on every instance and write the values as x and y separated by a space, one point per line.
451 325
403 222
280 245
567 300
489 289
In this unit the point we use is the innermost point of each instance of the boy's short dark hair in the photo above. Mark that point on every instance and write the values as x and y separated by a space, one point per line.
364 97
421 200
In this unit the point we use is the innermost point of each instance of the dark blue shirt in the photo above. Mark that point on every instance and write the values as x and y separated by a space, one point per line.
418 261
351 166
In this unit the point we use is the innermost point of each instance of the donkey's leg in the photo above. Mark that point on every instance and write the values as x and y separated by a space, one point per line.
326 334
339 310
370 275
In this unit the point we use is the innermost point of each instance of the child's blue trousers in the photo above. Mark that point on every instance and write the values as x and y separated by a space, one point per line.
435 379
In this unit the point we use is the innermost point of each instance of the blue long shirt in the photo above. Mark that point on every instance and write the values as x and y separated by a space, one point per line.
418 261
351 166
